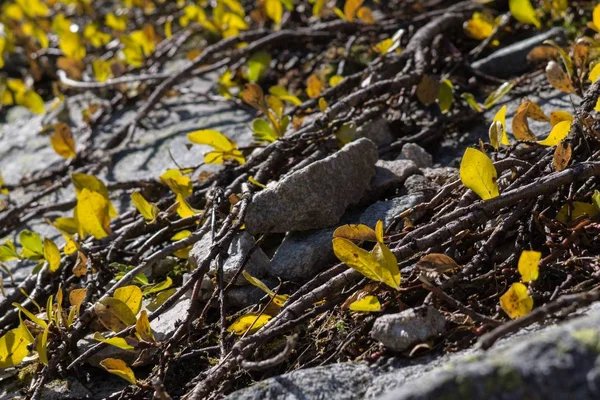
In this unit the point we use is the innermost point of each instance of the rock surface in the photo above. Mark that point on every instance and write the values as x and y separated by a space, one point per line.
317 195
414 152
239 248
388 210
403 330
389 175
512 60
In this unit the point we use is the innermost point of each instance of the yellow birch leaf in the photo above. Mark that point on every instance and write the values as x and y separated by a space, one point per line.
254 96
284 95
388 262
142 327
278 299
596 18
41 346
116 23
211 138
528 265
71 45
274 10
14 347
32 245
477 172
365 15
368 264
557 134
52 255
31 100
101 69
335 80
524 12
76 296
322 104
114 314
369 303
569 212
471 102
350 9
250 323
356 233
131 296
314 86
148 210
516 302
169 29
559 78
92 214
168 281
559 115
119 368
119 342
594 73
62 141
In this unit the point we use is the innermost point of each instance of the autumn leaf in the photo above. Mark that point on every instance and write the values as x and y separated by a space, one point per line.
516 302
114 314
497 131
558 78
524 12
131 296
562 156
224 149
477 172
559 115
278 299
142 328
557 134
249 323
148 210
368 303
92 212
119 342
51 255
528 265
314 86
62 141
356 233
119 368
14 346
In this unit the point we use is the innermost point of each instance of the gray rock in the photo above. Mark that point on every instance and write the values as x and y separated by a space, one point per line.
336 381
378 130
401 331
167 323
388 210
317 195
442 175
418 184
301 255
244 296
389 175
239 248
412 151
512 60
72 388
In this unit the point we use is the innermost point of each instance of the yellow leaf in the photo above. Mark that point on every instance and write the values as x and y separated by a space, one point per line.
370 265
253 96
31 242
52 255
62 141
95 36
167 282
595 24
14 347
76 296
225 149
477 172
322 104
479 27
31 100
142 327
168 28
470 99
101 69
274 10
335 80
350 9
138 45
252 180
116 23
516 302
594 73
365 15
368 303
119 342
524 12
314 86
40 322
557 134
250 323
520 125
536 113
131 296
160 299
258 65
499 93
41 346
278 299
569 212
148 210
528 265
114 314
178 183
119 368
356 233
445 96
559 78
71 45
559 115
33 8
427 90
92 214
284 95
384 46
498 133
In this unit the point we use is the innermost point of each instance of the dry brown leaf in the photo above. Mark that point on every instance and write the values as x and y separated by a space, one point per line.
437 263
520 125
562 156
542 54
427 90
558 78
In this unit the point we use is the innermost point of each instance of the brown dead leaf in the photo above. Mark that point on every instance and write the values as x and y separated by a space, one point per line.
437 263
520 125
427 90
562 156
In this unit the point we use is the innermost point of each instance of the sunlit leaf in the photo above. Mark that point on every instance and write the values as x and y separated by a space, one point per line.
471 102
284 95
168 282
274 10
72 45
38 321
356 233
93 214
558 78
52 255
119 342
445 96
117 23
131 296
114 314
524 12
516 302
142 327
62 141
250 323
14 347
119 368
314 86
575 209
520 125
528 265
498 94
368 303
557 134
477 172
278 299
562 156
225 149
559 115
148 210
42 346
258 65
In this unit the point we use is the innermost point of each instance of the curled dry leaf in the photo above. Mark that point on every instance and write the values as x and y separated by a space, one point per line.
558 78
520 125
437 263
356 233
562 156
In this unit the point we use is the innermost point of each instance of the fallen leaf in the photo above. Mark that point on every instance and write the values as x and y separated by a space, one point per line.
250 323
528 265
516 302
524 12
559 115
148 210
142 327
368 303
427 90
559 132
114 314
437 263
477 172
119 368
119 342
559 78
130 295
314 86
51 255
62 141
356 233
562 156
